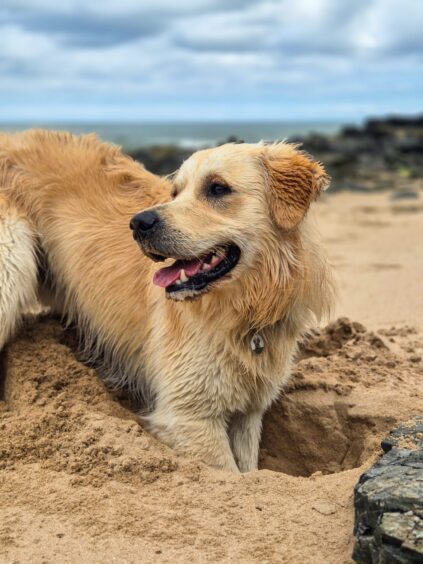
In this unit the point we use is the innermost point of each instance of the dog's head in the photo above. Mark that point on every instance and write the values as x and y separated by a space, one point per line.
232 206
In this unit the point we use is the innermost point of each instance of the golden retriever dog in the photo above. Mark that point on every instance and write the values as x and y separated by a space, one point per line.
208 337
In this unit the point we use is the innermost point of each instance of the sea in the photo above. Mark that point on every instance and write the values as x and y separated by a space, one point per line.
195 135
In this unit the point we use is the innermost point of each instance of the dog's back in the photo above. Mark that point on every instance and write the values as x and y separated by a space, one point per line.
66 200
37 165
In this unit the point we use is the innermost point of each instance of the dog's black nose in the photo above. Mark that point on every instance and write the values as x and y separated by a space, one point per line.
144 221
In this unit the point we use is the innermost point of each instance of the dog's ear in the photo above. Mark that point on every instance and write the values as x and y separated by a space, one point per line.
294 181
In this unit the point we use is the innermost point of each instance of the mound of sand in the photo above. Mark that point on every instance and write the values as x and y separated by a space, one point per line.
80 480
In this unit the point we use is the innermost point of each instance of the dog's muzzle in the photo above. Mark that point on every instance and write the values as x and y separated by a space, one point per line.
145 227
190 275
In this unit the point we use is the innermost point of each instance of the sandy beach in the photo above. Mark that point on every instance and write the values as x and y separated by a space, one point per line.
310 108
374 244
81 481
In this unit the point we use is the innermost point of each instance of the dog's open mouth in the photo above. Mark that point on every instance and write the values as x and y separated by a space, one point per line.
193 276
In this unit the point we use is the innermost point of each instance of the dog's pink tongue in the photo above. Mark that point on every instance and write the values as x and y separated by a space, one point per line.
169 275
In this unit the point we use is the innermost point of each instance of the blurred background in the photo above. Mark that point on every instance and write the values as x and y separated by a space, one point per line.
162 78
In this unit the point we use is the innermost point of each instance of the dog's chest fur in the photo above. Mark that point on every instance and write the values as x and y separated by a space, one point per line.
215 372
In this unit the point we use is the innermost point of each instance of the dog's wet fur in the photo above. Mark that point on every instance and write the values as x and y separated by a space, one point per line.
227 253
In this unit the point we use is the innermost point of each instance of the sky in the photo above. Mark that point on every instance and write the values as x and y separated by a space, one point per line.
164 60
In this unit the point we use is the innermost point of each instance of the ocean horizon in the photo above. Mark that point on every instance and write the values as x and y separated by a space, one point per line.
194 135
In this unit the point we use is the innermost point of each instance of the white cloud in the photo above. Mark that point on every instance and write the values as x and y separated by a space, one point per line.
268 54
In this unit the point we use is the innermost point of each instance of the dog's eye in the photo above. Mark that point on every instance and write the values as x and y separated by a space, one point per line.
216 190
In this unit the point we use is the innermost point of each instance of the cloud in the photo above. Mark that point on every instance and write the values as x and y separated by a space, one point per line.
265 55
105 23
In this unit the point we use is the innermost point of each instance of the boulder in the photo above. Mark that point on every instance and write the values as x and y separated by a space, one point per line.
388 501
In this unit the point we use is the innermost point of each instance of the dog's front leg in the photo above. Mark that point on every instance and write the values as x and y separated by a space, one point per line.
203 438
245 431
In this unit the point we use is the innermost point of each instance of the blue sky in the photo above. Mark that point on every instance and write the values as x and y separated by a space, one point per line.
137 60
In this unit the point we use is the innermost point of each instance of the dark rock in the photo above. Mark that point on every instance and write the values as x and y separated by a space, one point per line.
359 157
162 159
352 131
381 154
394 122
232 139
407 434
388 501
405 195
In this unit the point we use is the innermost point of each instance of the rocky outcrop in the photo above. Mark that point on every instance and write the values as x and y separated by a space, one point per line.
389 501
381 154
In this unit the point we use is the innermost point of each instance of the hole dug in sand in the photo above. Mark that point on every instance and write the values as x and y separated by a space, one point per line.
74 461
312 431
347 390
341 399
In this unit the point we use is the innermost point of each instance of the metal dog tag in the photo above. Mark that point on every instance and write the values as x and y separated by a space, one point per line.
257 343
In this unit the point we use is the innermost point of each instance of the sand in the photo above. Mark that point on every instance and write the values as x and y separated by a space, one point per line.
81 481
375 244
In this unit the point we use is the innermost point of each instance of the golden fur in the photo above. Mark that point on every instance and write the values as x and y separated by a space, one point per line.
65 206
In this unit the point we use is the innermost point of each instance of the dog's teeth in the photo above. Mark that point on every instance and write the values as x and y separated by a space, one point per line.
178 282
206 266
183 277
214 260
